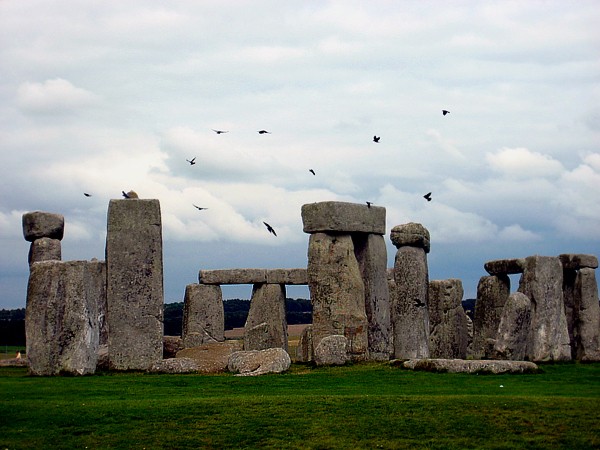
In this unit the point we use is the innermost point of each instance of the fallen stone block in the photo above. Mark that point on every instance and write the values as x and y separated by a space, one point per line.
211 358
470 366
259 362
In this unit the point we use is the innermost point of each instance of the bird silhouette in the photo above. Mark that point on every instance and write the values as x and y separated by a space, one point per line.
312 171
219 131
87 195
369 204
264 132
444 112
427 196
376 138
270 228
125 195
192 161
198 208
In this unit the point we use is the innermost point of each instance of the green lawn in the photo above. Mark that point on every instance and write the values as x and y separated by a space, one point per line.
360 406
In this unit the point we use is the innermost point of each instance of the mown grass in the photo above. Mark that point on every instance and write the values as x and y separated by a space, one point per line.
360 406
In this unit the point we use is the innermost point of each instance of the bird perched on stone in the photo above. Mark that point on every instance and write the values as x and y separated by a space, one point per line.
270 228
312 171
264 132
87 195
198 208
444 112
369 204
130 194
192 161
219 131
427 196
376 139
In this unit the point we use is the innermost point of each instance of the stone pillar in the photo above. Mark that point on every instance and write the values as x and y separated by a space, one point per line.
542 283
409 313
61 323
45 231
346 269
203 315
266 325
448 334
134 284
511 340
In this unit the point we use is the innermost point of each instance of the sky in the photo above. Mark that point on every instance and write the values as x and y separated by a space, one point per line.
105 96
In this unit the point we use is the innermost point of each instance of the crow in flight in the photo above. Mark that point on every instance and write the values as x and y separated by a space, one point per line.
270 228
87 195
264 132
312 171
219 131
198 208
192 161
427 196
444 112
376 139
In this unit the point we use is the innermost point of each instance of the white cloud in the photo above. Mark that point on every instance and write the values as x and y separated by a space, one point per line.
521 162
53 96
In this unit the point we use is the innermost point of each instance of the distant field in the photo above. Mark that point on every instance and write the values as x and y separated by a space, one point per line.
357 406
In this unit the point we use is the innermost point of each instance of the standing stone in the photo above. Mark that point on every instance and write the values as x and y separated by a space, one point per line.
513 330
44 249
61 319
542 282
135 284
203 315
492 293
587 316
337 292
410 316
448 335
266 325
38 224
305 350
371 254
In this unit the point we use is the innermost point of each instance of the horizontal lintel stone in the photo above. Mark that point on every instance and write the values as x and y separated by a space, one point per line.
343 217
253 276
505 266
578 261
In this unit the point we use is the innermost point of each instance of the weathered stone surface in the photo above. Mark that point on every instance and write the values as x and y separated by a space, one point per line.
232 276
211 358
305 349
135 284
332 351
409 298
371 254
505 266
587 310
61 319
569 279
97 282
343 217
337 292
102 363
14 362
511 341
492 293
259 362
38 224
470 366
578 261
175 366
287 276
542 282
412 235
44 249
448 335
203 315
267 306
171 345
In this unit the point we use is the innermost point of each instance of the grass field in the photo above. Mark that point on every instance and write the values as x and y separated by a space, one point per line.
359 406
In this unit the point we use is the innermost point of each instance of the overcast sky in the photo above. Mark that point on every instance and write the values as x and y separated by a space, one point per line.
105 96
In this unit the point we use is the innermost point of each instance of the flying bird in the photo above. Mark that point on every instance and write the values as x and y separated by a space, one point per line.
264 132
87 195
270 228
219 131
192 161
312 171
376 139
444 112
198 208
427 196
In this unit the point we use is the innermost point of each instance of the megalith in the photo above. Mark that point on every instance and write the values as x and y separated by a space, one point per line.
134 283
266 325
203 315
408 303
448 324
542 283
44 230
61 325
512 337
492 293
